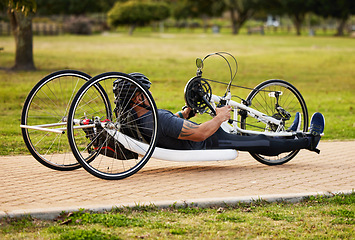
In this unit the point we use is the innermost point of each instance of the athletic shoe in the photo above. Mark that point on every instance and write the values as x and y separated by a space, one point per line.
296 125
317 124
316 129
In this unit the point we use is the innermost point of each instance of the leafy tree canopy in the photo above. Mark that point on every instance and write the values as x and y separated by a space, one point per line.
75 7
196 8
138 13
340 9
25 6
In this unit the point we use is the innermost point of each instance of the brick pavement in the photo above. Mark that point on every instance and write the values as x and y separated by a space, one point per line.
29 187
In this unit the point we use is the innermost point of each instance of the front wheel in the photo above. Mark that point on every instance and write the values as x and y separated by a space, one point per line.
107 133
281 100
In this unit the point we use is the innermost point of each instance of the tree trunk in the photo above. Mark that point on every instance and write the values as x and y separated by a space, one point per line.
239 19
297 21
235 29
205 23
298 28
340 28
131 29
21 26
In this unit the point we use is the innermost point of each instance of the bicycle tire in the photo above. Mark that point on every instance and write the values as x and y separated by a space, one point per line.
48 102
94 148
261 100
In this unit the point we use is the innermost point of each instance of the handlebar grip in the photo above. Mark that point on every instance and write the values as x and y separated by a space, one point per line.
209 105
192 112
230 121
222 104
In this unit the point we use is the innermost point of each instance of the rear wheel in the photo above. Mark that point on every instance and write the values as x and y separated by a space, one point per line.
44 118
281 100
112 144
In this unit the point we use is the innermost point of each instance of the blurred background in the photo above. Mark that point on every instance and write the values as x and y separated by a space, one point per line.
51 17
307 43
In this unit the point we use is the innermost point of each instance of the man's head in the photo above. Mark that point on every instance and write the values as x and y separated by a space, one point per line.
128 94
141 78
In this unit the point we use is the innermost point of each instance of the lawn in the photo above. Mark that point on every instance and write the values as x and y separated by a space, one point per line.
322 68
314 218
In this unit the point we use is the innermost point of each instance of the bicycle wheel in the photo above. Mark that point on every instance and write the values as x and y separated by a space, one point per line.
112 146
281 100
44 117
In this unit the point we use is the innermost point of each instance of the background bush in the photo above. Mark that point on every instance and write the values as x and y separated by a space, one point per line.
137 13
78 25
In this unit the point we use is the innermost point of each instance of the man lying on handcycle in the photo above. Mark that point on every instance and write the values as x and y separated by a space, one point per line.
175 131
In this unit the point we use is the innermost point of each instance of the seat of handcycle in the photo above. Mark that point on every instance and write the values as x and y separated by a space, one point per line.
175 155
195 155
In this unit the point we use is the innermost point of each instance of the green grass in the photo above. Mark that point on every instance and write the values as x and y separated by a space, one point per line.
322 68
317 217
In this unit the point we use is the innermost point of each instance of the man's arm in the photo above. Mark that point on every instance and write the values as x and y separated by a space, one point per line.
184 113
198 133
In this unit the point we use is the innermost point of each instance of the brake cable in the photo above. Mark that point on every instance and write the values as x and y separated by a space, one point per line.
238 86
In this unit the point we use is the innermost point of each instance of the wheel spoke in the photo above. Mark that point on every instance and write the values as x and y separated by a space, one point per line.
48 103
290 100
95 101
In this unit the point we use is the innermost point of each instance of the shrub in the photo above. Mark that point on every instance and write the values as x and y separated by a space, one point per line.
136 13
78 25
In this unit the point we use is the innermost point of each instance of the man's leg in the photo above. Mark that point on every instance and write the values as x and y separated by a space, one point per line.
270 146
260 144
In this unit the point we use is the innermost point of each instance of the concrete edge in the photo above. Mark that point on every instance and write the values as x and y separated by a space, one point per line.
52 213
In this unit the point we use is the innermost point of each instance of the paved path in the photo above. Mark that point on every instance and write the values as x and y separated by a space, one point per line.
28 187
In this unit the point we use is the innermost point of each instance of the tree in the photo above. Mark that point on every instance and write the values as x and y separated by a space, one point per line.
20 13
340 9
197 9
73 7
136 13
74 13
295 9
240 11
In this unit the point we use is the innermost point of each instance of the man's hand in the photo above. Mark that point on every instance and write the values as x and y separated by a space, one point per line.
197 133
223 113
187 112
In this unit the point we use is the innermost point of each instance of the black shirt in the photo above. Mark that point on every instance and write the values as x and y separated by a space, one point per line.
169 129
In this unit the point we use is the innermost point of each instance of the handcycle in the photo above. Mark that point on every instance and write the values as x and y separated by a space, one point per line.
110 141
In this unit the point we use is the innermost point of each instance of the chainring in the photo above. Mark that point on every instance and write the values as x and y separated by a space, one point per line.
195 90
